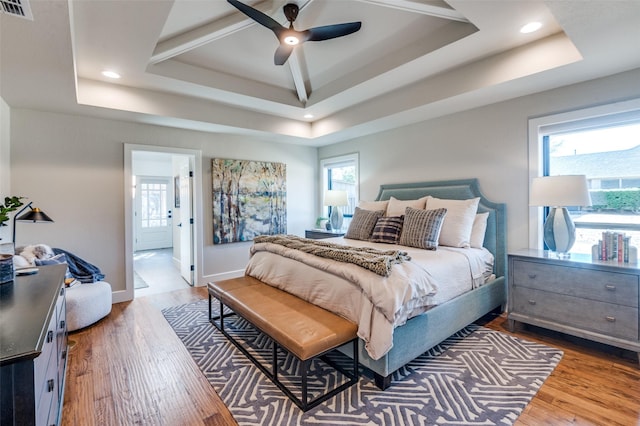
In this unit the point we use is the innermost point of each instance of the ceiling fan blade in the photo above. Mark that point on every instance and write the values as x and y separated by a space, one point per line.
258 16
282 54
331 31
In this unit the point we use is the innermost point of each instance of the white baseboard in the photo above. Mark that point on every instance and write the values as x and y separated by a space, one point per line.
219 277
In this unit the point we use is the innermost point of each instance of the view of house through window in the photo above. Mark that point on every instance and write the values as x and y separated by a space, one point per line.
610 158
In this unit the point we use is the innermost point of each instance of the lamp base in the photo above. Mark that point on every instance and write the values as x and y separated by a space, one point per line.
559 232
336 218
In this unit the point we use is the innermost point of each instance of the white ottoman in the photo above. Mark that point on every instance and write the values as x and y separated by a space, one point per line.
87 303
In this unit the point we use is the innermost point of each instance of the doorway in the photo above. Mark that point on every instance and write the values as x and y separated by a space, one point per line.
160 219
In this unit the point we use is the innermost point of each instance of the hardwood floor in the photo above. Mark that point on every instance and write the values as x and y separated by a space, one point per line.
131 368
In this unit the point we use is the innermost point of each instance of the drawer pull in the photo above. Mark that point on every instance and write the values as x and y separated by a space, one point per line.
610 319
62 324
532 276
49 336
610 287
532 302
50 384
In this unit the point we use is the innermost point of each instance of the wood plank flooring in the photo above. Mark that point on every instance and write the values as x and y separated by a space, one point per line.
131 369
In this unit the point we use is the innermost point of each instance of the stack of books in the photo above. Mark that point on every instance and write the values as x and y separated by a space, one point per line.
614 246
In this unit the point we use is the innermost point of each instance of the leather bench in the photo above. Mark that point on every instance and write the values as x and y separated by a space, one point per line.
304 330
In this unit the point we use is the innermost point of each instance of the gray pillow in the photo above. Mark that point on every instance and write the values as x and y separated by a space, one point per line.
421 228
362 223
387 230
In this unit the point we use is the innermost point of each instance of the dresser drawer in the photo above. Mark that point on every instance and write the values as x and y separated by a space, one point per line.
607 318
611 287
48 400
48 354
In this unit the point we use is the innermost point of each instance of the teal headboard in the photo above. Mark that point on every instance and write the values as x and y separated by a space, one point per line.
495 239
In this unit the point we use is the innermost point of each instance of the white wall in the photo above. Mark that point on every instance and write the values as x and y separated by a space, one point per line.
73 168
5 183
489 143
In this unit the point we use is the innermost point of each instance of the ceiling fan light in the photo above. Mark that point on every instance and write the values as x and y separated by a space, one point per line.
291 40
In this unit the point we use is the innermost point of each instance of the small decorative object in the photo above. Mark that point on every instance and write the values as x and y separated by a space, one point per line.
336 199
6 268
321 222
559 192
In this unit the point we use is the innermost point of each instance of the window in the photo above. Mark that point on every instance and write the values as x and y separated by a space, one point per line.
340 173
602 143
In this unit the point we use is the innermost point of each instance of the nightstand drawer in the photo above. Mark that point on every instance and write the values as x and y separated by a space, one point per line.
608 318
611 287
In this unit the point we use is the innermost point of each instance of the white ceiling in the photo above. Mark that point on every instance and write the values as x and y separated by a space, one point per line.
201 64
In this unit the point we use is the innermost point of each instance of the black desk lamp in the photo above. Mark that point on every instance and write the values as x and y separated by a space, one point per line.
34 215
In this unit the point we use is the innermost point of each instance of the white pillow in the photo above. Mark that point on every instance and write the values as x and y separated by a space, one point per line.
397 207
456 229
478 230
373 205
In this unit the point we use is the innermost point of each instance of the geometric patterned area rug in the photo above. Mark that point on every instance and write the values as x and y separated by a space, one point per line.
478 376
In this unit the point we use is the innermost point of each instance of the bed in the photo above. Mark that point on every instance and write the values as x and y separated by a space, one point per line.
412 332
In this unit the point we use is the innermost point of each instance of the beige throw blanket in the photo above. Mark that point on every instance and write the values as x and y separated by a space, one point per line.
374 260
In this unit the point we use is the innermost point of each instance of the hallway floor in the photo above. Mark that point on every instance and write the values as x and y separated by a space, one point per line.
157 270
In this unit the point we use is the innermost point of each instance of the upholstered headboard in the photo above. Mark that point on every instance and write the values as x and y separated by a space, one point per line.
495 239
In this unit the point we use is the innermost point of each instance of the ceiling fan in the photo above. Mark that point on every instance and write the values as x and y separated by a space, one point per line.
289 37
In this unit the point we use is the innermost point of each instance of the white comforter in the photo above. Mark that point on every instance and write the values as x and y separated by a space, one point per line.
377 304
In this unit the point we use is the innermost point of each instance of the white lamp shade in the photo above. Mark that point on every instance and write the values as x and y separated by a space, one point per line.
560 191
334 197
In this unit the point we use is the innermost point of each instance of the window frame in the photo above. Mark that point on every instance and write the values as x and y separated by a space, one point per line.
538 127
325 165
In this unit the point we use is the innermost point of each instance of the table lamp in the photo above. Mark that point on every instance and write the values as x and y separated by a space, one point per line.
335 199
558 193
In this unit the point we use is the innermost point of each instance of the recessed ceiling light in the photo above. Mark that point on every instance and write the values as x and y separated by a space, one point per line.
111 74
308 116
531 27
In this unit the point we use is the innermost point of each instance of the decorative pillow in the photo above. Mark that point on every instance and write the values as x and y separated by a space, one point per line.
387 230
373 205
55 260
362 223
421 228
478 230
456 229
397 207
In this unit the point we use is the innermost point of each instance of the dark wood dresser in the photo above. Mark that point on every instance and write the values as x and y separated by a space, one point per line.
33 348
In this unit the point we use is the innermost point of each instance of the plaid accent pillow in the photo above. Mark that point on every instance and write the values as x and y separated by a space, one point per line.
387 230
421 228
362 223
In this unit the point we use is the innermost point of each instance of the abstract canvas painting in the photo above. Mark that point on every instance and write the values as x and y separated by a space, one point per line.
249 199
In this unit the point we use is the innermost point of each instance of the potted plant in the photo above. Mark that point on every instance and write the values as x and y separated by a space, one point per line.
10 204
6 260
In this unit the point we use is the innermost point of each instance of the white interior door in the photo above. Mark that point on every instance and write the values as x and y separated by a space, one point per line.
153 213
186 223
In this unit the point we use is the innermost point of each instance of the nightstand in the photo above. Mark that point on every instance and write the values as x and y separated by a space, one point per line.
594 300
318 234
